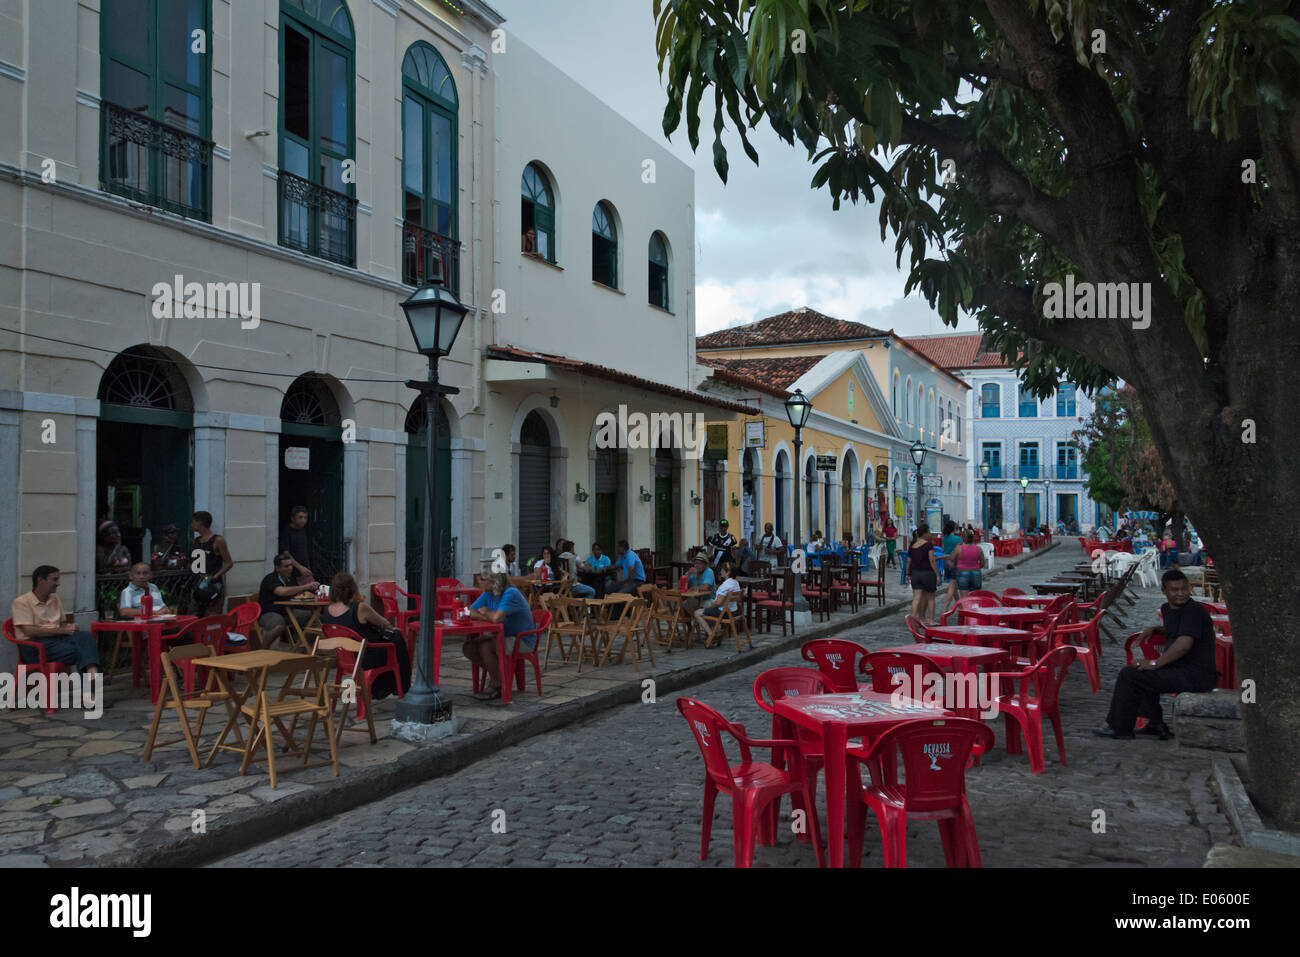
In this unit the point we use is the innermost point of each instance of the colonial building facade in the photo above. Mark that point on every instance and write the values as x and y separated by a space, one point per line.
165 162
1035 475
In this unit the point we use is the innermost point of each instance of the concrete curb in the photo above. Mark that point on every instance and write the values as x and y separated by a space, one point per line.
295 811
1245 819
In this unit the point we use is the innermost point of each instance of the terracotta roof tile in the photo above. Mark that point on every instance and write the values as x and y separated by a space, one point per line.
798 325
960 351
776 372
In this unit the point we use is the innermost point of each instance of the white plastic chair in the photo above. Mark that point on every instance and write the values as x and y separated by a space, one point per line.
987 549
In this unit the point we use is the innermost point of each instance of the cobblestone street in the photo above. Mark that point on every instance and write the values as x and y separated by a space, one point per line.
625 789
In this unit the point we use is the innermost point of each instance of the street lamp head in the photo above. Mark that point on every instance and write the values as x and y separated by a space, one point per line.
434 315
1024 482
918 452
798 408
985 469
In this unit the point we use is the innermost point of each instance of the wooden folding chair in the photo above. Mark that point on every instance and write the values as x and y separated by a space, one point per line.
352 688
568 620
727 618
182 702
666 610
632 629
266 711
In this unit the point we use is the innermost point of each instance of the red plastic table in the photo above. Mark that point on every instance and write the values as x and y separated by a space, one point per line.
836 718
986 636
1028 601
152 629
961 659
1002 615
468 629
1214 607
1222 625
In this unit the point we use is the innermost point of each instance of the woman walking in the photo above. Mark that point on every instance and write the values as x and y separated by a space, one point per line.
924 574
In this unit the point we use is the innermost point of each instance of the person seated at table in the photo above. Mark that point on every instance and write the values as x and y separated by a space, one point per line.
700 577
949 544
994 531
726 596
128 605
502 604
923 572
38 616
544 568
744 555
577 589
1188 664
631 572
281 585
347 609
597 561
512 559
816 544
721 544
769 545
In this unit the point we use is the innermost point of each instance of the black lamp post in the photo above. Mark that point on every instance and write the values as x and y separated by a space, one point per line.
797 410
984 510
435 316
1047 502
918 456
1024 487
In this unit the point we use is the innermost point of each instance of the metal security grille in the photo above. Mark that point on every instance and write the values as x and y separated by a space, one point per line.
142 378
308 402
534 486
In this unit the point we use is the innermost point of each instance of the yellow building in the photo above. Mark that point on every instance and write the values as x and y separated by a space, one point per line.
747 471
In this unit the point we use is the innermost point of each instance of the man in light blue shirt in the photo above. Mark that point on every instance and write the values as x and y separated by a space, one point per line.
502 604
129 604
632 570
700 577
597 559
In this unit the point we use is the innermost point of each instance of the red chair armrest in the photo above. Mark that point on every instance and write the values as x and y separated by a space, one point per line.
33 643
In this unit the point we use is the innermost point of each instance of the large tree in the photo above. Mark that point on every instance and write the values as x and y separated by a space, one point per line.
1162 151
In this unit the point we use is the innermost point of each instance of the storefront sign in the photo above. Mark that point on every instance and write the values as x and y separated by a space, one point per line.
716 446
882 476
826 463
755 434
298 459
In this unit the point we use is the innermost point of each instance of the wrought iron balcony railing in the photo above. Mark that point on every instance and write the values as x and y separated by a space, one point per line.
317 220
154 163
995 472
429 257
1070 471
1028 471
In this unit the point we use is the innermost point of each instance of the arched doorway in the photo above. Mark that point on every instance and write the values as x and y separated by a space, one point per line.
534 499
848 485
666 493
144 465
311 470
416 473
809 492
828 508
713 509
750 507
781 486
609 484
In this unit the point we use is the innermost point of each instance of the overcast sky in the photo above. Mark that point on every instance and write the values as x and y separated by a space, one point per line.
765 242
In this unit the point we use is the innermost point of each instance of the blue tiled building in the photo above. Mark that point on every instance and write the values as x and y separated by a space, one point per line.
1035 473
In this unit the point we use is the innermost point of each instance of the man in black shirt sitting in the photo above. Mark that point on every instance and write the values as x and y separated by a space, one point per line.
1186 665
279 586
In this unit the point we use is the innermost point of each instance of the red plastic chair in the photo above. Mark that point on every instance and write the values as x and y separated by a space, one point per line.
752 785
1008 592
837 659
807 759
346 664
1090 652
43 665
970 601
1225 662
935 753
245 615
516 656
917 628
883 666
407 622
984 593
210 631
1151 649
1026 710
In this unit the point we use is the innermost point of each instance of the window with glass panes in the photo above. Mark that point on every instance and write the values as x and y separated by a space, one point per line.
157 103
990 401
429 105
1028 404
1028 460
1067 461
604 247
538 214
658 271
992 453
317 116
1065 395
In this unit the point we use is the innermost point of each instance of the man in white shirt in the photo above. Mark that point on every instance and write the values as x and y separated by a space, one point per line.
995 532
129 604
769 544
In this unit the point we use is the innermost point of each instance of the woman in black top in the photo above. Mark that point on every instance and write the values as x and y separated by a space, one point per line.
924 574
347 609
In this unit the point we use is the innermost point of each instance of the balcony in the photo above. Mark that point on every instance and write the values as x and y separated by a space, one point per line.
995 471
317 220
1028 471
429 257
1070 471
154 163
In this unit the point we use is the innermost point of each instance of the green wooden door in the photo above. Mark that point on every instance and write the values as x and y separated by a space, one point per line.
664 516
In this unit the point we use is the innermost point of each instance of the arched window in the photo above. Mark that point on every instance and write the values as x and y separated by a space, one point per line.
538 214
429 169
157 103
318 206
907 398
990 401
893 405
309 401
658 270
604 246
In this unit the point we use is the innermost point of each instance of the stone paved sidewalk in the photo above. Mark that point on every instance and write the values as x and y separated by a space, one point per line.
76 791
624 789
